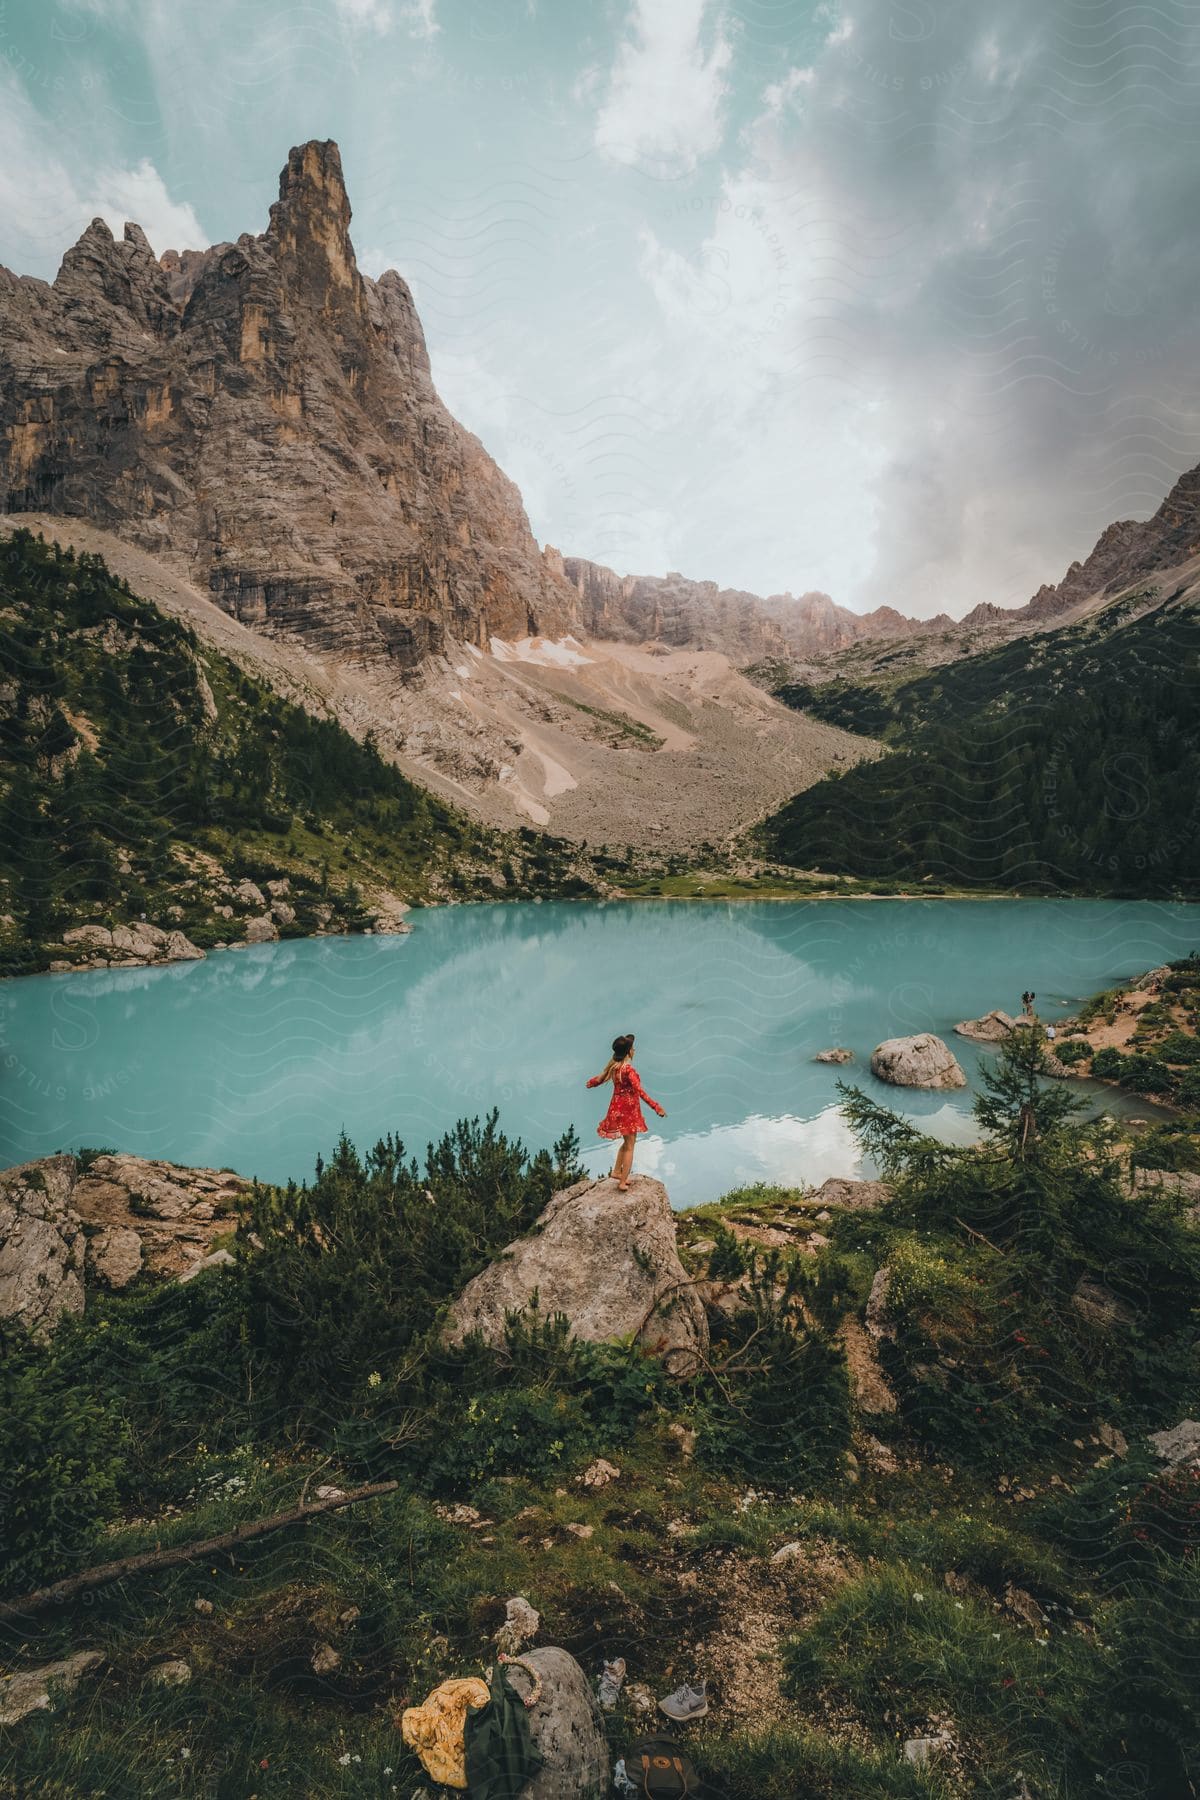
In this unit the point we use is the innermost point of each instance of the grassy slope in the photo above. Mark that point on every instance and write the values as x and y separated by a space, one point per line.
143 774
1068 761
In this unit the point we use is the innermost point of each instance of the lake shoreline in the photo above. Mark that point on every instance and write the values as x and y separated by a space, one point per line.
775 896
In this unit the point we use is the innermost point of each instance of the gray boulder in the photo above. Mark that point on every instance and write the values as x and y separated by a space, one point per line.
41 1245
854 1196
114 1256
566 1726
923 1061
35 1690
1179 1447
607 1260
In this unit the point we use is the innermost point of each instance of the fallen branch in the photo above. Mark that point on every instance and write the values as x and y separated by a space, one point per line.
979 1235
105 1573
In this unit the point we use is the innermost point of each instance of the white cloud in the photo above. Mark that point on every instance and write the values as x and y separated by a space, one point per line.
44 206
665 105
140 194
417 17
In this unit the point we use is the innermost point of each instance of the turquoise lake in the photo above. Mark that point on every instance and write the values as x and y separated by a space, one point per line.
257 1058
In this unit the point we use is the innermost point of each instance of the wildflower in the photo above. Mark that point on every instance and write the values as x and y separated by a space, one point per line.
374 1378
344 1761
918 1596
264 1762
388 1770
185 1754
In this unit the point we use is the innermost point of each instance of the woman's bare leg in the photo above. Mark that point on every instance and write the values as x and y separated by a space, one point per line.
624 1162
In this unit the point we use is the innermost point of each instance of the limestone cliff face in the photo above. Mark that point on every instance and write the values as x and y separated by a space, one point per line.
674 610
262 415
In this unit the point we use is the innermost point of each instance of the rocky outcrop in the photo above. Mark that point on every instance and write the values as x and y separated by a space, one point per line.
992 1028
38 1690
606 1260
65 1230
41 1245
923 1061
262 416
854 1196
834 1056
125 947
567 1727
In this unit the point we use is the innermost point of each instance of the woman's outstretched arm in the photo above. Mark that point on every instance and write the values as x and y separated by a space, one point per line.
596 1080
635 1082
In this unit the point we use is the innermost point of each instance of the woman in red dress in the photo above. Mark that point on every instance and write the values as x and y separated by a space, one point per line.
624 1116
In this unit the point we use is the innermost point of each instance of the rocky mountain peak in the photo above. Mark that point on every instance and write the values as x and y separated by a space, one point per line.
310 221
262 415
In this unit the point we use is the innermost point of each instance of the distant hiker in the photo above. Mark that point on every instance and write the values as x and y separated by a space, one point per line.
624 1118
1027 1001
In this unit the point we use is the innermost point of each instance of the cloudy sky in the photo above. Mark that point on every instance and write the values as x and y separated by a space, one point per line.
894 298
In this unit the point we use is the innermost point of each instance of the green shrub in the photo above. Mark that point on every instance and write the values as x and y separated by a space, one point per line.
1072 1050
1108 1063
62 1452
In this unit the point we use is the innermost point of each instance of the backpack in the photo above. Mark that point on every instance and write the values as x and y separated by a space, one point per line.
661 1769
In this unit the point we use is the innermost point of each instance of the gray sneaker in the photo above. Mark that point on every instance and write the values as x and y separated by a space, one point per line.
685 1703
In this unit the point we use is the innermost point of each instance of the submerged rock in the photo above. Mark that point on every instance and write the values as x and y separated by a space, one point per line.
923 1061
608 1261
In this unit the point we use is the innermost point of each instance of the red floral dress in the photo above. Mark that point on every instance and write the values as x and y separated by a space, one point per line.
624 1116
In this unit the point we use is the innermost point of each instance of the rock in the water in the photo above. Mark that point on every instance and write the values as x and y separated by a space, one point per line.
834 1056
608 1261
567 1727
1179 1446
854 1196
36 1690
992 1028
41 1245
923 1061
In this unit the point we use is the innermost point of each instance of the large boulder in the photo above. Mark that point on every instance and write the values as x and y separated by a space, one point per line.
567 1727
607 1260
923 1061
41 1245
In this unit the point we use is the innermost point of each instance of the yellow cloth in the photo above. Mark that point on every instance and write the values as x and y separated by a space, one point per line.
435 1730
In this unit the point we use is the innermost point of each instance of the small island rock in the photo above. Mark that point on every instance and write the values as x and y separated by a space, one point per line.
923 1061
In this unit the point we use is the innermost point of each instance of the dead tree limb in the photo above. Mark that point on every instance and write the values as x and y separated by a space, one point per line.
103 1574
